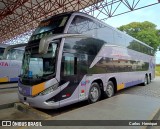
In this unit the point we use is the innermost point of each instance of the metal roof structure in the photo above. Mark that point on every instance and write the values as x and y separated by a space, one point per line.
21 17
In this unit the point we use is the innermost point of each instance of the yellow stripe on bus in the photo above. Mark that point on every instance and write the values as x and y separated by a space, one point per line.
38 88
4 79
120 86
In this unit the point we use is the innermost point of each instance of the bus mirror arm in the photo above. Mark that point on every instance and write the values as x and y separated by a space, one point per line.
45 41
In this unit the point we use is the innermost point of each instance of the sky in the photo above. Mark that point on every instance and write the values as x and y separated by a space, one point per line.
151 14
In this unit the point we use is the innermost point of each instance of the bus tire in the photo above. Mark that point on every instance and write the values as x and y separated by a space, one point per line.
145 80
149 79
94 93
109 90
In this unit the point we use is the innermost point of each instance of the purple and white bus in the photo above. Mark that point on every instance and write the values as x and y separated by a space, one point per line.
72 57
10 62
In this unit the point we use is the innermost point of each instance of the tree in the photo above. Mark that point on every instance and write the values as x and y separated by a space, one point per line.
143 31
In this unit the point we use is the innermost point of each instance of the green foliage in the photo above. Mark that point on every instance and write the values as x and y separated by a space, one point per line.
157 70
143 31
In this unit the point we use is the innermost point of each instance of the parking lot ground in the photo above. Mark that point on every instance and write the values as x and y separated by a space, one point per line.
136 103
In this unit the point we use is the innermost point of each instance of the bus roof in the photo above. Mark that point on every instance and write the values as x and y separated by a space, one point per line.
95 19
3 45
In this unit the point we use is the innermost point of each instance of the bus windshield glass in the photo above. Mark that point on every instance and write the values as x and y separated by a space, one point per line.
15 54
50 26
37 66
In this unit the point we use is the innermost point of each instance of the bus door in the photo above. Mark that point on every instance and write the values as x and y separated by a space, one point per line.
69 74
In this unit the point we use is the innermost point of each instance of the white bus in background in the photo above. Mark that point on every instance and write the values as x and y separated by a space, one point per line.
2 48
10 62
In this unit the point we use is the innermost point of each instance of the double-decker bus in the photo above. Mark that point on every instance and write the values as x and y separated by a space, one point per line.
72 57
10 62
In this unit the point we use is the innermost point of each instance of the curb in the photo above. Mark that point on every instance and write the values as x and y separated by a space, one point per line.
8 87
153 117
8 105
31 111
156 115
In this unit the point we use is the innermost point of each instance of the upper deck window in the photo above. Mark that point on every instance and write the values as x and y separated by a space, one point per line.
53 25
81 25
91 27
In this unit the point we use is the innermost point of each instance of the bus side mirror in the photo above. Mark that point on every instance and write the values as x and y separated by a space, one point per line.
43 46
44 43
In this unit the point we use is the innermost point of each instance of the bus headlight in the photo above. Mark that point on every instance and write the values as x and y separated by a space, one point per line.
49 90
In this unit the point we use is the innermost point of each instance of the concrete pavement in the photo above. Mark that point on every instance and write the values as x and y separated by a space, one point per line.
120 107
8 95
8 85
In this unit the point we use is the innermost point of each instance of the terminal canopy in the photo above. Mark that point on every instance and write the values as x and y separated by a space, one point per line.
21 17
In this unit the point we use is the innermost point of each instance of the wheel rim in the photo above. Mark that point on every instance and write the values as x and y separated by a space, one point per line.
149 79
94 94
109 90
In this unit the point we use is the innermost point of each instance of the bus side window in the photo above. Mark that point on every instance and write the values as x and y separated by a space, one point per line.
69 66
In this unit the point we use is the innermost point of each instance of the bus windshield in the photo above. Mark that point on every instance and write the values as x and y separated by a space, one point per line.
15 54
53 25
37 66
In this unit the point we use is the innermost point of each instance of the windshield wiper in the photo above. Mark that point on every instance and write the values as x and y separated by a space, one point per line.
48 76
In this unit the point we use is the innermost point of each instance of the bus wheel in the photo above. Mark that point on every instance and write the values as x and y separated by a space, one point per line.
145 80
109 90
149 79
94 93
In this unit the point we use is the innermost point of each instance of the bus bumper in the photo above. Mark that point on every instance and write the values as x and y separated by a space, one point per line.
39 101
